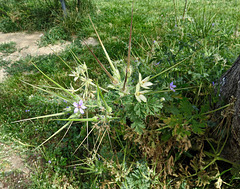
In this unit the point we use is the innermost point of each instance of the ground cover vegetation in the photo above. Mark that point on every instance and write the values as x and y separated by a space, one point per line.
150 129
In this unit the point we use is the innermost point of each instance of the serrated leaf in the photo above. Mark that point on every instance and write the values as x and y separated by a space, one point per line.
138 126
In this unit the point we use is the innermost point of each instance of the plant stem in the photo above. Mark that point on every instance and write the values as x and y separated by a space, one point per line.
104 69
218 109
129 51
172 66
185 9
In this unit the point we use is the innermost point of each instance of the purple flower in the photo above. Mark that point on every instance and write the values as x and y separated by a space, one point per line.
172 86
157 63
65 101
27 110
213 83
213 24
154 41
79 107
49 161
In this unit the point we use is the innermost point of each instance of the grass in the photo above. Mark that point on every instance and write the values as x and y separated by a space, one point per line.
161 38
8 48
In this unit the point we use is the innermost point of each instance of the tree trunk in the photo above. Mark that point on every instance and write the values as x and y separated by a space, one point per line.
229 92
64 7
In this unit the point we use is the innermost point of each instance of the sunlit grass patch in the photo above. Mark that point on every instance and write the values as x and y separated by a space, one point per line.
195 45
8 48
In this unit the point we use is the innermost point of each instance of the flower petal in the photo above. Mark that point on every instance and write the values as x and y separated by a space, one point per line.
146 79
81 111
76 110
145 85
83 107
143 98
138 99
140 77
80 103
137 88
75 105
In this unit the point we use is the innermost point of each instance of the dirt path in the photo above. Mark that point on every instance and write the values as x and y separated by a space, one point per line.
14 172
14 168
26 44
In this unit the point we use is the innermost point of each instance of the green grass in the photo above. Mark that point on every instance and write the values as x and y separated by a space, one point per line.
8 48
161 38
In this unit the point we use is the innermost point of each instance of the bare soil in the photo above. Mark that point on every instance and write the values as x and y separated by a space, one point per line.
15 167
26 44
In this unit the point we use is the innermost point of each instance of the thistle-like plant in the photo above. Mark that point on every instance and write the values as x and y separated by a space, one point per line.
87 101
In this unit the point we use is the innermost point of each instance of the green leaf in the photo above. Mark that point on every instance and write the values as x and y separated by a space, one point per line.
197 128
138 126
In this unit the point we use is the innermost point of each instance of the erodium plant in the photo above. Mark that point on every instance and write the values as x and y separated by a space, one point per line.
129 95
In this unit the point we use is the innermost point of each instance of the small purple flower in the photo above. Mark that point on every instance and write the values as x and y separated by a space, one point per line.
213 24
175 25
172 86
154 41
79 107
213 83
157 63
49 161
65 101
27 110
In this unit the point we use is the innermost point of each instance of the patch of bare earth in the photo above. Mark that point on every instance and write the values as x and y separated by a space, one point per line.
13 171
26 44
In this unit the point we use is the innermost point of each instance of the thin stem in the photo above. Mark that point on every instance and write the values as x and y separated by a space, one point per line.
185 9
87 129
174 5
104 69
163 91
109 60
218 109
129 51
83 140
172 66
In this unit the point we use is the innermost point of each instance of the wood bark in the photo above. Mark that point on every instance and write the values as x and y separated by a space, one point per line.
229 92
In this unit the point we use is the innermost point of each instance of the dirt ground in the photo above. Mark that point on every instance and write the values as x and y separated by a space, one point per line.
26 44
14 171
15 168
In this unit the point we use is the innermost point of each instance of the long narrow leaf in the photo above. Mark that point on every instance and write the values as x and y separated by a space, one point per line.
41 117
172 66
53 81
94 119
108 108
109 60
102 66
74 56
49 92
63 61
59 130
